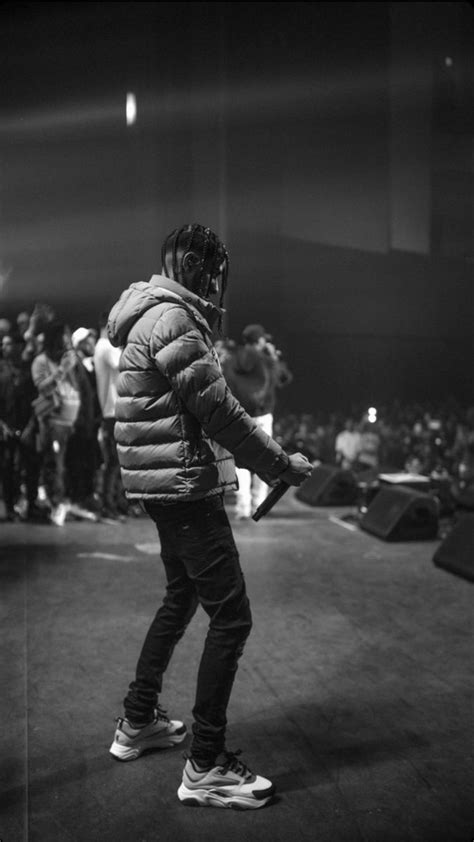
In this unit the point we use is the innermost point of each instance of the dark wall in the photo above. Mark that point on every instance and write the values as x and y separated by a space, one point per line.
367 327
312 136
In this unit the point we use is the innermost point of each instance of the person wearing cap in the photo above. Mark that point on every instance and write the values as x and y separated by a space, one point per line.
83 453
80 341
254 372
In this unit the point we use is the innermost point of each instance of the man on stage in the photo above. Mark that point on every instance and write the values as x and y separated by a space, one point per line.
179 433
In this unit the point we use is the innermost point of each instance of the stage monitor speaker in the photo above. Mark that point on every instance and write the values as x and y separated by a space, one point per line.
328 486
456 553
401 514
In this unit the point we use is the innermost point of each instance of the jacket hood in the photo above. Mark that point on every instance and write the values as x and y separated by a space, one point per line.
140 297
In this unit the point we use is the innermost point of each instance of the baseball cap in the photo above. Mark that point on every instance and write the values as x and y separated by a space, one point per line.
79 335
252 333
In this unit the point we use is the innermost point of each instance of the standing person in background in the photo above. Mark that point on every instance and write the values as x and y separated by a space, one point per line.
5 330
106 366
22 325
254 372
347 446
19 458
81 459
53 375
30 453
368 458
224 349
9 442
177 427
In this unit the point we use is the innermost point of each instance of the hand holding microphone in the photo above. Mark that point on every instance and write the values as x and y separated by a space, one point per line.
298 470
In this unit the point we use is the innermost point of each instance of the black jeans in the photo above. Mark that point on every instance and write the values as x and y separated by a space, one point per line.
54 439
202 566
9 477
81 465
18 463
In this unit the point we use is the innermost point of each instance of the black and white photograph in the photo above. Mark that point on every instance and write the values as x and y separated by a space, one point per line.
236 421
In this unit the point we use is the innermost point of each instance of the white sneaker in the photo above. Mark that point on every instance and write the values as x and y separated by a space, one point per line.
58 514
230 784
129 743
81 513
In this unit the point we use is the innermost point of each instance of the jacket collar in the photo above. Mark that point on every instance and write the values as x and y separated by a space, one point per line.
205 309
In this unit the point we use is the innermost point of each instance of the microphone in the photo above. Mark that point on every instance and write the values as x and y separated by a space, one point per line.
275 494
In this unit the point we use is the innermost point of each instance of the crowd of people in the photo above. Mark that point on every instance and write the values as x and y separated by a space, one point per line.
58 456
57 394
420 439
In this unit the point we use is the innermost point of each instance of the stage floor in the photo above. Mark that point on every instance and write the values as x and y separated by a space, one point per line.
354 693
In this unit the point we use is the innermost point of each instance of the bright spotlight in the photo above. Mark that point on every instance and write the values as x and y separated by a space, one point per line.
131 109
372 415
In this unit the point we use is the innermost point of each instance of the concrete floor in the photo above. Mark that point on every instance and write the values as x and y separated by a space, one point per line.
354 694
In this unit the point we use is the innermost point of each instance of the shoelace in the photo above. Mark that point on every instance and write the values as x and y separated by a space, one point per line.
160 713
233 764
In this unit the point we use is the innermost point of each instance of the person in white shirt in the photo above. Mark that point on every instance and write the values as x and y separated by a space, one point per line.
106 366
348 445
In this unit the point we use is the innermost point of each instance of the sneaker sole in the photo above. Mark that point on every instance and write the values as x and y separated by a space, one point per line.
206 798
121 752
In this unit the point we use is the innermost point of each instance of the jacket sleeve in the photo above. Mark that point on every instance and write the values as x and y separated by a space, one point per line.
183 356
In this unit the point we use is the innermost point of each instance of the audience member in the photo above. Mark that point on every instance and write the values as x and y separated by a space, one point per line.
22 324
5 328
19 463
368 458
106 364
254 371
82 452
9 381
57 408
348 445
27 424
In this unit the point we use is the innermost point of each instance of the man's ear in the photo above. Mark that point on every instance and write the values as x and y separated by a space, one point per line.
190 261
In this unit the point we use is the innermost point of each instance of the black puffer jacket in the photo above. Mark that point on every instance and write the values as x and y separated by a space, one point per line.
177 423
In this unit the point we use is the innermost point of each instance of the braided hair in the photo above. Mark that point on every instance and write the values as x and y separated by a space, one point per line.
213 258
